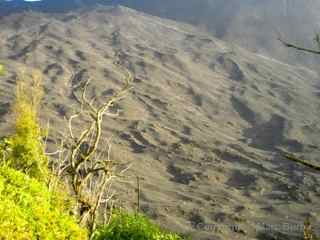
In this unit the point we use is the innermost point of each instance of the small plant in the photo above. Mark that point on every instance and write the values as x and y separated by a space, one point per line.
308 232
24 150
2 70
124 226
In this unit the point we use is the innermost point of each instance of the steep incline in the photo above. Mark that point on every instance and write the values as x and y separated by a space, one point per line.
253 24
203 126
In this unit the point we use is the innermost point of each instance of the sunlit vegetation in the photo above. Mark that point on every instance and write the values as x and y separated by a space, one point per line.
2 70
125 226
29 210
26 148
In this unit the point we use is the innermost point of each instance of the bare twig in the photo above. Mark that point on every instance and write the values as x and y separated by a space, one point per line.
293 158
297 47
89 172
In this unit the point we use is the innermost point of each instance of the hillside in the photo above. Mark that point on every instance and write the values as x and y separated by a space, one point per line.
253 24
204 125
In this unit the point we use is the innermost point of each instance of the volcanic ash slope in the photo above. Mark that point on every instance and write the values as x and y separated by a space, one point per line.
204 126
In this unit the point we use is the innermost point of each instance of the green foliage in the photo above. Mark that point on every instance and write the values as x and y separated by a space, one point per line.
24 150
125 226
30 211
2 70
308 231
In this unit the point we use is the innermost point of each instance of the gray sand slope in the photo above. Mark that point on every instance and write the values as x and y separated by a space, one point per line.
204 125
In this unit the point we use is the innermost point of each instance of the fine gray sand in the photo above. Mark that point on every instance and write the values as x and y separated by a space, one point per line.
204 126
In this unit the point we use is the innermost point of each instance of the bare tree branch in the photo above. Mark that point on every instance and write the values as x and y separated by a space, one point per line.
293 158
297 47
91 172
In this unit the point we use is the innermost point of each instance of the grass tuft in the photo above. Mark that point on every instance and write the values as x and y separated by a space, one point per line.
125 226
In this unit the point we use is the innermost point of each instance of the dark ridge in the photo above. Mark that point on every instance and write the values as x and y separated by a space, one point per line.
50 6
243 109
271 134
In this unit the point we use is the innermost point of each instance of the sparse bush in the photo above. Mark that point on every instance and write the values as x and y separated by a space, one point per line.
30 211
24 150
124 226
2 70
308 232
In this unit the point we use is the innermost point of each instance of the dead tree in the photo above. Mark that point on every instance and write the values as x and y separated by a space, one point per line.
89 170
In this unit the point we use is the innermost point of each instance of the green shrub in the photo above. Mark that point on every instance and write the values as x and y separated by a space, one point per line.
126 226
30 211
2 70
24 150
